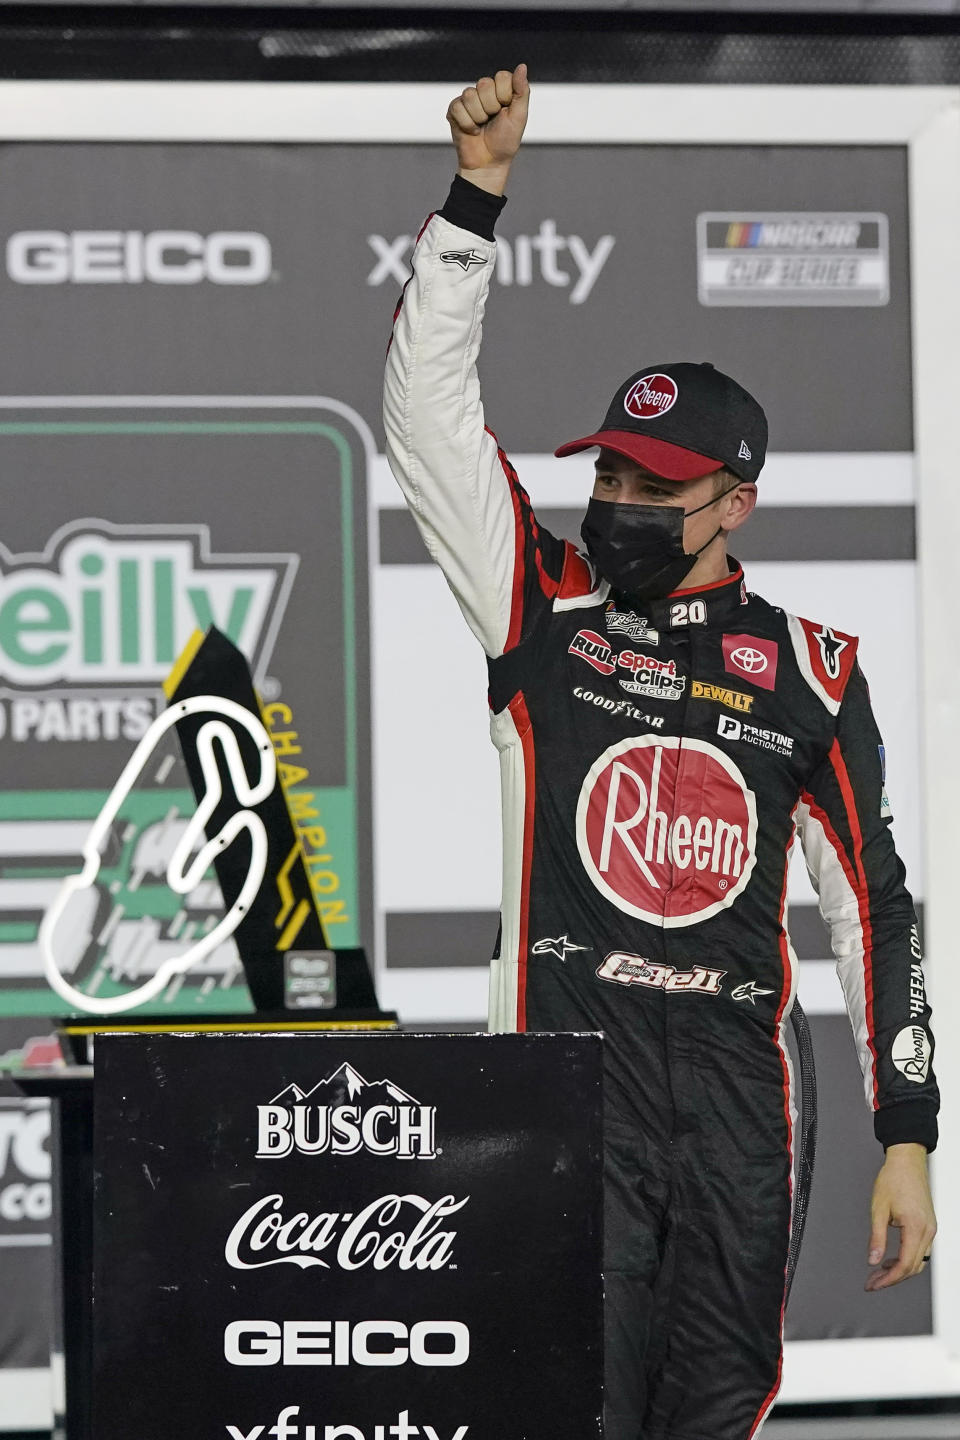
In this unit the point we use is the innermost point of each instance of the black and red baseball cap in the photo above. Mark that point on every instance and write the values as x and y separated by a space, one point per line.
682 421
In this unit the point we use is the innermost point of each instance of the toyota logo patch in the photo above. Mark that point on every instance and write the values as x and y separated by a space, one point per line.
749 660
750 656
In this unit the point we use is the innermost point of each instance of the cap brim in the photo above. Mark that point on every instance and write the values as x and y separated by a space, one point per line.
670 462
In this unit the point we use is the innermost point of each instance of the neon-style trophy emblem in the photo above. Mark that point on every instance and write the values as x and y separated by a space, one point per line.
185 869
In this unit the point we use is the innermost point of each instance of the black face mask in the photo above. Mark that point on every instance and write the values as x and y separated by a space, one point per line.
639 548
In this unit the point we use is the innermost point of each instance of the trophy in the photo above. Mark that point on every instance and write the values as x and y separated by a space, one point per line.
253 831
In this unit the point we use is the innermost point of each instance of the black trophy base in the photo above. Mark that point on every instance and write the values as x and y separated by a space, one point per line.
311 980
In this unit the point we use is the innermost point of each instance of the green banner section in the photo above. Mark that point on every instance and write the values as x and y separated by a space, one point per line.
95 605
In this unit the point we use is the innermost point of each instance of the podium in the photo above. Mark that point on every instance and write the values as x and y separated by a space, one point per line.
345 1237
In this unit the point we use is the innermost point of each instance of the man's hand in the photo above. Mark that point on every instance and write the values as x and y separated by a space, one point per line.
901 1197
487 123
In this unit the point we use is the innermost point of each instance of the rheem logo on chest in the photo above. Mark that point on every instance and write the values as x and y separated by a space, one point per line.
667 833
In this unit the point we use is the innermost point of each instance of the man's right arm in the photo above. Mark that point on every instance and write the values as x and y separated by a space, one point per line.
473 514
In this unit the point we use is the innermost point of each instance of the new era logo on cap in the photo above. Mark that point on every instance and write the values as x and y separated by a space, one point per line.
683 421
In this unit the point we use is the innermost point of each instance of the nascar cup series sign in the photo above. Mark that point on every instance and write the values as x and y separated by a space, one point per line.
323 1238
759 258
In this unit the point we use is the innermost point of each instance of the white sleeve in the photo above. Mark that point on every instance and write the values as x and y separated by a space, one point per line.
457 482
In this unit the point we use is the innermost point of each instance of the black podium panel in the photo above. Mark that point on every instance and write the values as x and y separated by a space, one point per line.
378 1237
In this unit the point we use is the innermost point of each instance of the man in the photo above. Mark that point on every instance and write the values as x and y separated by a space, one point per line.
662 734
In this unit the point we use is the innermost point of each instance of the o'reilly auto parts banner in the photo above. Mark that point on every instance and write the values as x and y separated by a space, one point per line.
90 625
320 1238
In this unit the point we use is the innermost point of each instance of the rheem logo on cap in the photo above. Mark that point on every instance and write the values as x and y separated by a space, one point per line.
650 397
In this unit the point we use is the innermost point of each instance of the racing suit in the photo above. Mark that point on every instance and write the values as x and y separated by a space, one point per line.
656 766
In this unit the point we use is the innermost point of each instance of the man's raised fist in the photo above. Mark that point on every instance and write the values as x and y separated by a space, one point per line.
487 122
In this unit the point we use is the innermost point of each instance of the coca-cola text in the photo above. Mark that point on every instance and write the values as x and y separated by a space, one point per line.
379 1235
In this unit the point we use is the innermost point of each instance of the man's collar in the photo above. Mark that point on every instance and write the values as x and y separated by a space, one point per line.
715 604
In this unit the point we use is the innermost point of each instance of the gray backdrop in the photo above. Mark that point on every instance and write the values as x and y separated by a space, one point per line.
598 276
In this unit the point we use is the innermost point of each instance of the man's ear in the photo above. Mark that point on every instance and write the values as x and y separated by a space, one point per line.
738 507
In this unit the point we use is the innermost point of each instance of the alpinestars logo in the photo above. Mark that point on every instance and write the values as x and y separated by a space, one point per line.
831 648
562 946
463 258
107 605
343 1115
749 990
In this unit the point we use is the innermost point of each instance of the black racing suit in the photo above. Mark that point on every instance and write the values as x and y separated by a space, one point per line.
656 767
